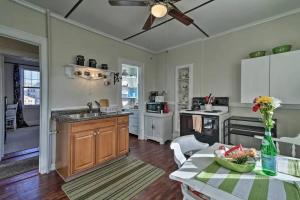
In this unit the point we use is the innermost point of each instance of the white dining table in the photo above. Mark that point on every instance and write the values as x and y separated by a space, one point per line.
202 159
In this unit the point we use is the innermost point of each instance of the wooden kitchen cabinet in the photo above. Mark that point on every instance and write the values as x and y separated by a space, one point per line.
84 145
123 137
83 151
105 144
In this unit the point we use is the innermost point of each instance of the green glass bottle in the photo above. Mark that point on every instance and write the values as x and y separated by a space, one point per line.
268 155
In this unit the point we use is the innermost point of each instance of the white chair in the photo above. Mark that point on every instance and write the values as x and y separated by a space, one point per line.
184 144
181 146
11 116
288 140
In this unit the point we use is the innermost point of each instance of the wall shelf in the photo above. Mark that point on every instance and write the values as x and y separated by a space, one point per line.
89 73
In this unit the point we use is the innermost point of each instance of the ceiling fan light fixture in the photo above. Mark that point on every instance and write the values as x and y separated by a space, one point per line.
159 10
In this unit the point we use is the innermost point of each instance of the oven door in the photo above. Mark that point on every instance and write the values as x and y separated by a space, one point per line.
210 128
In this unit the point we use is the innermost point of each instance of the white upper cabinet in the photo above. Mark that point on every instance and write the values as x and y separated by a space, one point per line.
254 78
275 75
285 77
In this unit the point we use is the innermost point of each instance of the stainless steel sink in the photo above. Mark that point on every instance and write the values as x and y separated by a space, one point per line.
85 115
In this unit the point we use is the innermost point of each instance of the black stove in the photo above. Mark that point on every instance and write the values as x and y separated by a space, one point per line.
213 111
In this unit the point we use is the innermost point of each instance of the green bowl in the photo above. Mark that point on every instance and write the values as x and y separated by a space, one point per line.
242 168
282 49
257 54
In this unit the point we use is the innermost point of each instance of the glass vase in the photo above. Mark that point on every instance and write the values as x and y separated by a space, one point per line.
268 154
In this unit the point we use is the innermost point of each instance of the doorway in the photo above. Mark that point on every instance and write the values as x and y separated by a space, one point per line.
22 104
21 91
132 97
44 137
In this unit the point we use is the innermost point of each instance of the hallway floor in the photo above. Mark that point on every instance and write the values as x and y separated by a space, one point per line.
21 139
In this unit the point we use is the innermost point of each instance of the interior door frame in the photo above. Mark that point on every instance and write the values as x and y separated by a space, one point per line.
41 42
176 127
141 84
2 94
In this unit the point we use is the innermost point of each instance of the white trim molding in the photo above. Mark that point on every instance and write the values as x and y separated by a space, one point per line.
141 89
2 110
44 156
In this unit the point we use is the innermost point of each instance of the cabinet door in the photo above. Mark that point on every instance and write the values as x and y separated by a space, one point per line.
83 151
148 126
285 76
123 137
105 144
254 78
157 128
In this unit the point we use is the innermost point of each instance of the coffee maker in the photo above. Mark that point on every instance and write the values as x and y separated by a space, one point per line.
152 96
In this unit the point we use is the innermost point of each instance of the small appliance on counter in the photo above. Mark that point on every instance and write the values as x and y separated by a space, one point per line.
152 96
156 96
159 99
155 107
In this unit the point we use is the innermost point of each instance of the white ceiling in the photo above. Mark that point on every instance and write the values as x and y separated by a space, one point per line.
216 17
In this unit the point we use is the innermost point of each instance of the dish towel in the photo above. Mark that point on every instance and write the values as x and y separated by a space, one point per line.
197 123
290 166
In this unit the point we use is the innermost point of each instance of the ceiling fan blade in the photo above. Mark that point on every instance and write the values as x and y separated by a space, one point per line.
128 3
149 22
180 17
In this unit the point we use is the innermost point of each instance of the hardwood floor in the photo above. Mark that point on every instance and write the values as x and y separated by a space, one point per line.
31 186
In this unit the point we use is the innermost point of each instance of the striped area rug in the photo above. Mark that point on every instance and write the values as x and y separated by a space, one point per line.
120 180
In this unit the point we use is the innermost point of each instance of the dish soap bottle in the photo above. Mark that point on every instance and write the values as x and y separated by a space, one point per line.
269 155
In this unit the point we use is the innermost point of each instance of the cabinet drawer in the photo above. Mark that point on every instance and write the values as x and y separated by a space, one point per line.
123 119
93 124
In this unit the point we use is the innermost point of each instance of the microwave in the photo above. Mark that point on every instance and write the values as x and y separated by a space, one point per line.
155 107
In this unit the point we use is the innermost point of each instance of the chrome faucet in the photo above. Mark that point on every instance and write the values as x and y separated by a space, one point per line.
98 105
90 105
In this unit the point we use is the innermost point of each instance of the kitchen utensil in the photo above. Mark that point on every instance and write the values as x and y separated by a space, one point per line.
257 54
208 107
92 63
282 49
104 103
80 60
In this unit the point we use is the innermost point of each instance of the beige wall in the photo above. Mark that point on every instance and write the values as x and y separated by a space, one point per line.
22 18
217 65
16 48
67 42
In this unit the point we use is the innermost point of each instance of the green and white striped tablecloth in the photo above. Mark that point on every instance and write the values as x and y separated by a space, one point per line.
248 186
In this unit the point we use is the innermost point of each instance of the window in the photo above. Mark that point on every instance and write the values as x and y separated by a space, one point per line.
31 87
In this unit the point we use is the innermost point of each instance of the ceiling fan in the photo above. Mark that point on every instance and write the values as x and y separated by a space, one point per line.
158 9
